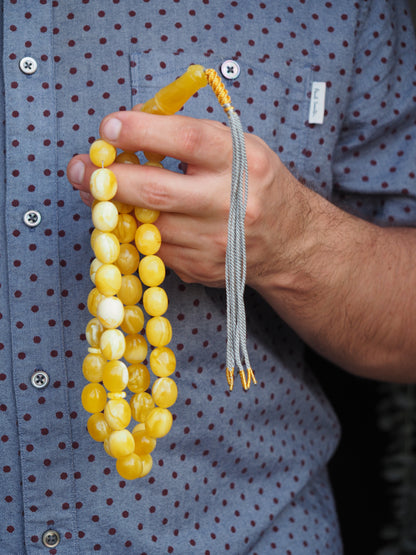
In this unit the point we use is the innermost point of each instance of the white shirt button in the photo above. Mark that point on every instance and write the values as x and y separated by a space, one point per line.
28 65
32 218
39 379
50 538
230 69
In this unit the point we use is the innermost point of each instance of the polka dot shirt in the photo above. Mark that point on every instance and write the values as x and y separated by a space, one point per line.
240 473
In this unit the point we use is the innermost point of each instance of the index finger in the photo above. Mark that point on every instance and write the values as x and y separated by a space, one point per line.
202 143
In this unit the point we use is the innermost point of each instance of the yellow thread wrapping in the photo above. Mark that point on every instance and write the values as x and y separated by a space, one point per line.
219 89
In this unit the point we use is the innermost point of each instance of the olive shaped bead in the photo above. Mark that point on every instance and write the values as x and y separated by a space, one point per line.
112 344
131 290
93 366
102 153
117 413
103 184
158 423
155 301
133 320
164 392
93 332
110 312
158 331
162 361
147 464
139 378
95 264
152 270
121 443
94 299
125 229
106 247
128 259
93 397
136 348
146 215
108 279
105 216
98 427
130 467
115 376
148 239
141 405
144 444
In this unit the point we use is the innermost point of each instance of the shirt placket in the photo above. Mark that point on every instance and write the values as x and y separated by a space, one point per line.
38 363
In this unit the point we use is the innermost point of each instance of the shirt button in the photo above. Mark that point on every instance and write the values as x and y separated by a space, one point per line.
28 65
32 218
230 69
50 538
39 379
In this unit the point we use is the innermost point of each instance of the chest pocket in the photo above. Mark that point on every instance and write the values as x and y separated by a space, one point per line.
271 95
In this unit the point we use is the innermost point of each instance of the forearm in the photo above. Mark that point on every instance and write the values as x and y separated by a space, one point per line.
350 292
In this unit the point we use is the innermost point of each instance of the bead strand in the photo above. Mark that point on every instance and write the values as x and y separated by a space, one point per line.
125 241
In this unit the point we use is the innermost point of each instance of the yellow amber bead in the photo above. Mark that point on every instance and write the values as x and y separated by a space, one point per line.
162 361
117 413
133 320
95 233
112 344
131 290
136 348
128 259
106 446
92 367
94 299
146 215
164 392
122 207
93 332
141 405
106 247
148 239
152 270
127 157
158 423
95 264
93 397
98 428
115 375
103 184
158 331
139 378
155 301
144 444
108 279
121 443
147 464
104 215
110 312
125 229
130 467
102 153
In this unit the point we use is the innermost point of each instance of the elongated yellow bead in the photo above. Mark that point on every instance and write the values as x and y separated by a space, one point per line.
104 215
146 215
108 279
155 301
93 397
93 366
115 375
102 153
110 312
126 228
121 443
164 392
133 320
158 331
148 239
131 290
130 467
117 413
98 427
152 270
93 332
141 405
112 344
103 184
128 259
158 423
162 361
144 444
106 247
139 378
94 299
136 348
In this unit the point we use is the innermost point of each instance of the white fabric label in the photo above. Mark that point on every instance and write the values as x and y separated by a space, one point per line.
317 105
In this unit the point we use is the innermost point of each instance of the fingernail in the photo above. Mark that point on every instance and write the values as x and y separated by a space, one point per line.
76 172
111 129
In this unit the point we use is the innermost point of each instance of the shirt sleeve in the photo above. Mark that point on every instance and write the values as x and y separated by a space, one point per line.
375 159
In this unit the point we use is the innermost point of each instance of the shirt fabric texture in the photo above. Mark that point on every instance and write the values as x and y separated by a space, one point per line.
240 472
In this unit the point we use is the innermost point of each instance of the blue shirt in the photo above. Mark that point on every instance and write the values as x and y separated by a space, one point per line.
239 472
